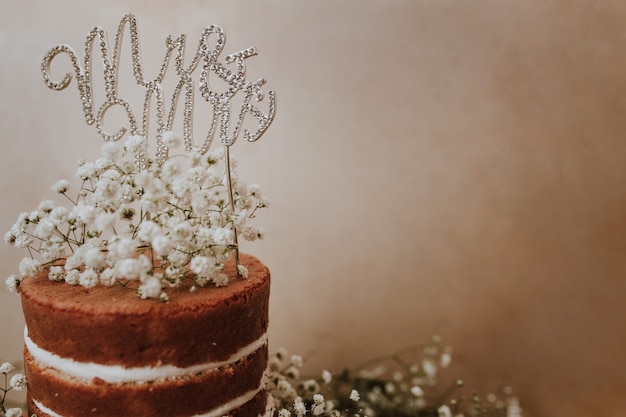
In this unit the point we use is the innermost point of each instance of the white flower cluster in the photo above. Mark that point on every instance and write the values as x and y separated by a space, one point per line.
401 384
157 225
295 397
17 383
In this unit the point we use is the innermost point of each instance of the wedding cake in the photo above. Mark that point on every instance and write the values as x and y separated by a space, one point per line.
136 299
102 351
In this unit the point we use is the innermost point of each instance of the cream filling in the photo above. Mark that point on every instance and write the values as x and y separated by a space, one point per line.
119 374
216 412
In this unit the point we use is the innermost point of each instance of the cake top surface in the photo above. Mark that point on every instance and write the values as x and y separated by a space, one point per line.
120 300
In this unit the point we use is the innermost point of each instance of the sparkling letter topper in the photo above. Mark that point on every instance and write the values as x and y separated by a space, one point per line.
221 102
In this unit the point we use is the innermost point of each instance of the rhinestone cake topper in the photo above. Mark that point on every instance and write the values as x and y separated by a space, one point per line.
206 57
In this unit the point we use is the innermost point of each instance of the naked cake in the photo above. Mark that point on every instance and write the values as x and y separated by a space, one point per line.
103 352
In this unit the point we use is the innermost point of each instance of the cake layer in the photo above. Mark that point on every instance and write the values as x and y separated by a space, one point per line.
254 408
199 394
111 326
117 373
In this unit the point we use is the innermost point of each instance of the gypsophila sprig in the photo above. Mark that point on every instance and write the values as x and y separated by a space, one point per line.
404 384
15 382
154 227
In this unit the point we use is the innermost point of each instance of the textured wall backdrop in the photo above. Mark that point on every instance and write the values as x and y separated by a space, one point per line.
437 167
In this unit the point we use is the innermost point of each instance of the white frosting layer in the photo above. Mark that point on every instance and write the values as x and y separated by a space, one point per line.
216 412
224 409
46 409
117 374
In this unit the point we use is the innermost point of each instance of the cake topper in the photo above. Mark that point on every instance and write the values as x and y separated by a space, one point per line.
224 119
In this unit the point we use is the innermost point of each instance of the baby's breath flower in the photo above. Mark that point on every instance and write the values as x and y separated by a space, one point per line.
6 368
148 231
106 191
182 232
162 244
86 171
103 221
94 257
102 164
170 139
242 270
61 186
281 353
354 395
292 372
319 405
201 201
254 190
10 237
299 408
121 247
45 206
311 386
14 412
283 412
445 359
220 280
136 144
170 168
286 389
56 273
88 278
513 408
18 382
72 276
74 261
251 233
215 155
417 391
223 236
195 159
84 214
29 267
151 288
297 360
327 377
444 411
111 150
44 229
430 367
178 258
127 213
107 277
128 268
201 265
58 215
13 283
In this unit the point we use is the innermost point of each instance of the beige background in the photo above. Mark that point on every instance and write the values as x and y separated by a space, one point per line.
437 167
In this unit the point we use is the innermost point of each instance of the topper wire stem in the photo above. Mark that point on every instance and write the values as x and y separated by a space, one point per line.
232 203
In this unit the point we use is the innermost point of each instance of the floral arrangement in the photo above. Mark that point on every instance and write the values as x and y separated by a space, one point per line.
402 384
135 221
17 383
